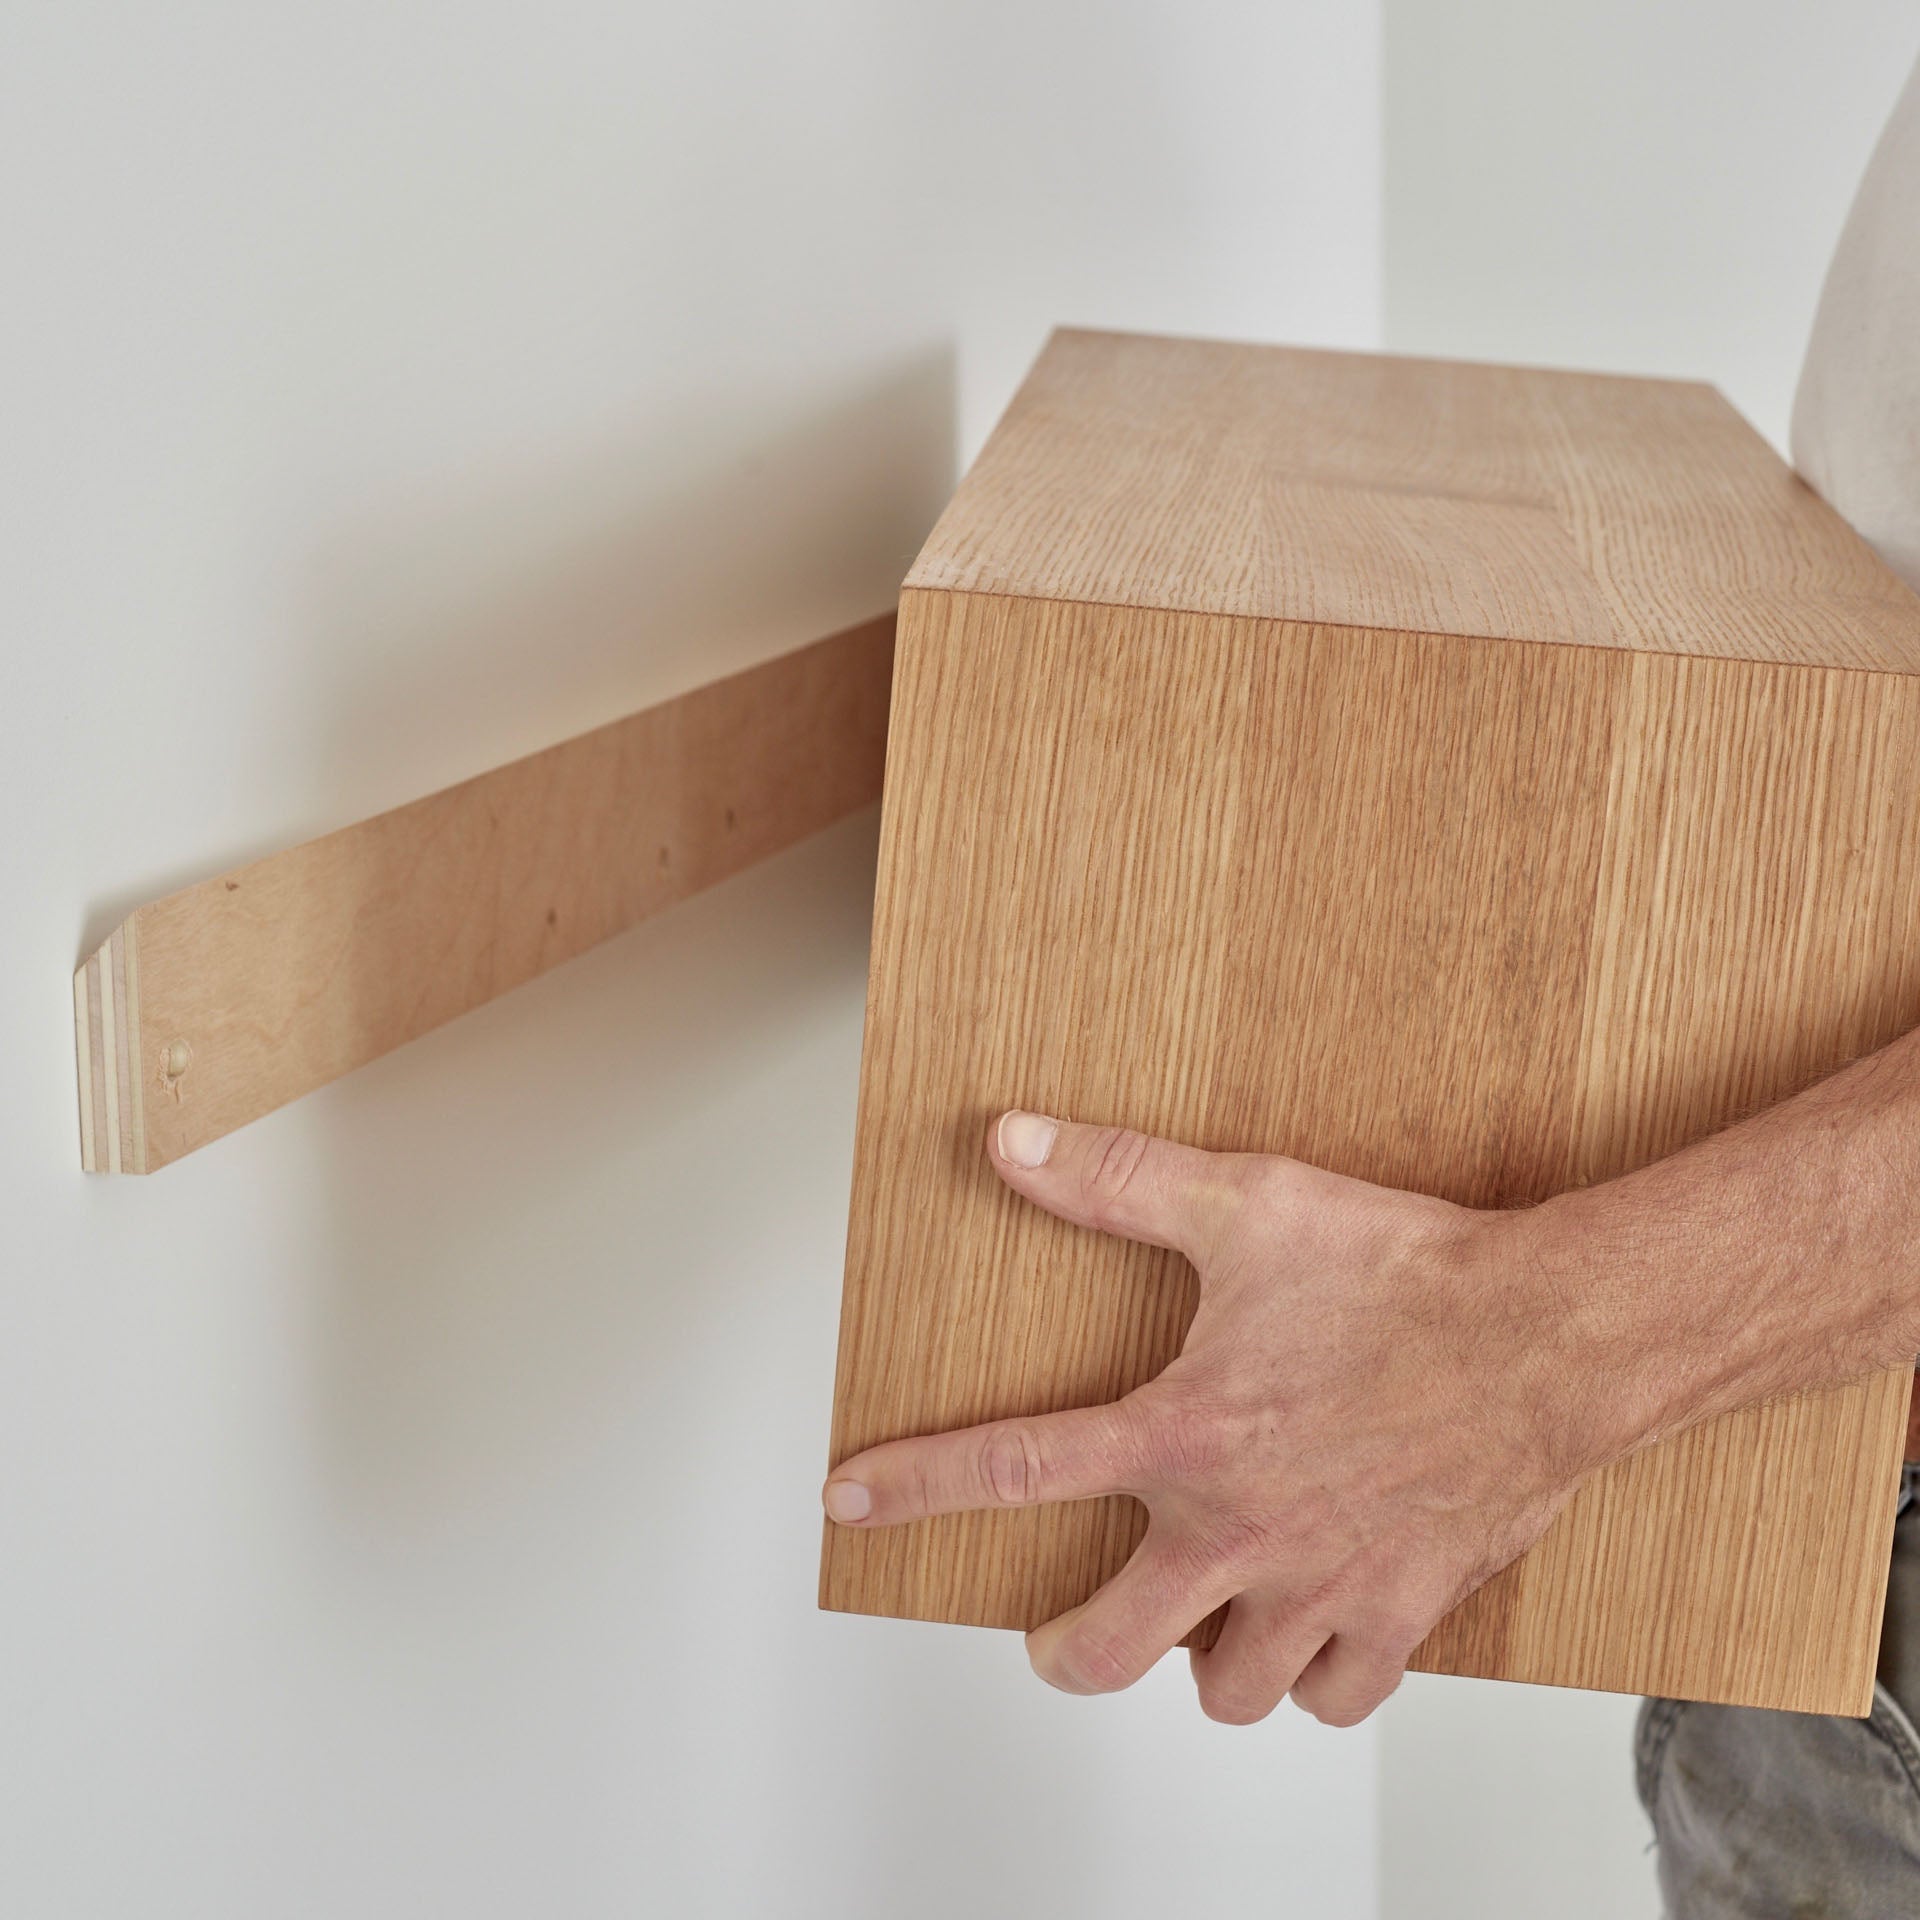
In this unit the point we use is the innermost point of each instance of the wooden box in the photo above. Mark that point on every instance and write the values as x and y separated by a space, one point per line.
1472 779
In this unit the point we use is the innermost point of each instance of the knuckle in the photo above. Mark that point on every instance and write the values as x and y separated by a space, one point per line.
1347 1700
1383 1634
1093 1665
1011 1464
1113 1161
1276 1190
1411 1615
918 1483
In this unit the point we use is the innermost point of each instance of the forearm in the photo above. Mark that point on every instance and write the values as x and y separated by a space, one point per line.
1780 1254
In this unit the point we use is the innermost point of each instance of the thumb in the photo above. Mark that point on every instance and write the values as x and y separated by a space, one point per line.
1119 1181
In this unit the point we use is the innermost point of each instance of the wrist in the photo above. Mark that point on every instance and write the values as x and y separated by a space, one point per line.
1604 1377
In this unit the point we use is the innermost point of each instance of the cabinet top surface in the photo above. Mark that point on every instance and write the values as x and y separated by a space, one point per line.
1370 490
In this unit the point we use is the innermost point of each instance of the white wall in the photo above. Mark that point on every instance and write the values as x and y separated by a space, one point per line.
1651 186
407 1506
1647 186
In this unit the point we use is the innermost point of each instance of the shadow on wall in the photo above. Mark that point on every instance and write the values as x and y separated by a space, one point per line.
500 1286
522 609
698 541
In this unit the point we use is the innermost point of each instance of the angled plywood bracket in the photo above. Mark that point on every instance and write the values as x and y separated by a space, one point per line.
217 1004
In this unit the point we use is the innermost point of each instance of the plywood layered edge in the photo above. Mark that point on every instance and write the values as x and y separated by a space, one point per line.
217 1004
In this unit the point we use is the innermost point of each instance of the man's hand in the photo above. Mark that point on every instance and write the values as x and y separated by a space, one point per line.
1381 1402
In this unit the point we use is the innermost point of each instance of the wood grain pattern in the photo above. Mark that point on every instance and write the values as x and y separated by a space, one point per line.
1417 495
1585 820
221 1002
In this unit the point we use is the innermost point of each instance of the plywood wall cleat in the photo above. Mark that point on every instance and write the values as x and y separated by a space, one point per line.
217 1004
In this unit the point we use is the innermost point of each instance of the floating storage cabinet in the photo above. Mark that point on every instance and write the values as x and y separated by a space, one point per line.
1471 779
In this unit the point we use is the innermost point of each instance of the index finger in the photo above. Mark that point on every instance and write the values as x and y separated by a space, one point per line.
1076 1455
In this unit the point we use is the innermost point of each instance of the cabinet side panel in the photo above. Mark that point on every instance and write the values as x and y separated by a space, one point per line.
1247 883
1757 923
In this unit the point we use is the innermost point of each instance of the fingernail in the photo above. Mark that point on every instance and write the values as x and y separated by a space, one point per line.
1027 1138
848 1500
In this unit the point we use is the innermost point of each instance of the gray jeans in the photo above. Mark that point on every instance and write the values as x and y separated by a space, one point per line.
1789 1816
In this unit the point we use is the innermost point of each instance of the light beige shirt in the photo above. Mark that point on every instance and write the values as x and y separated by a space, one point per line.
1856 417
